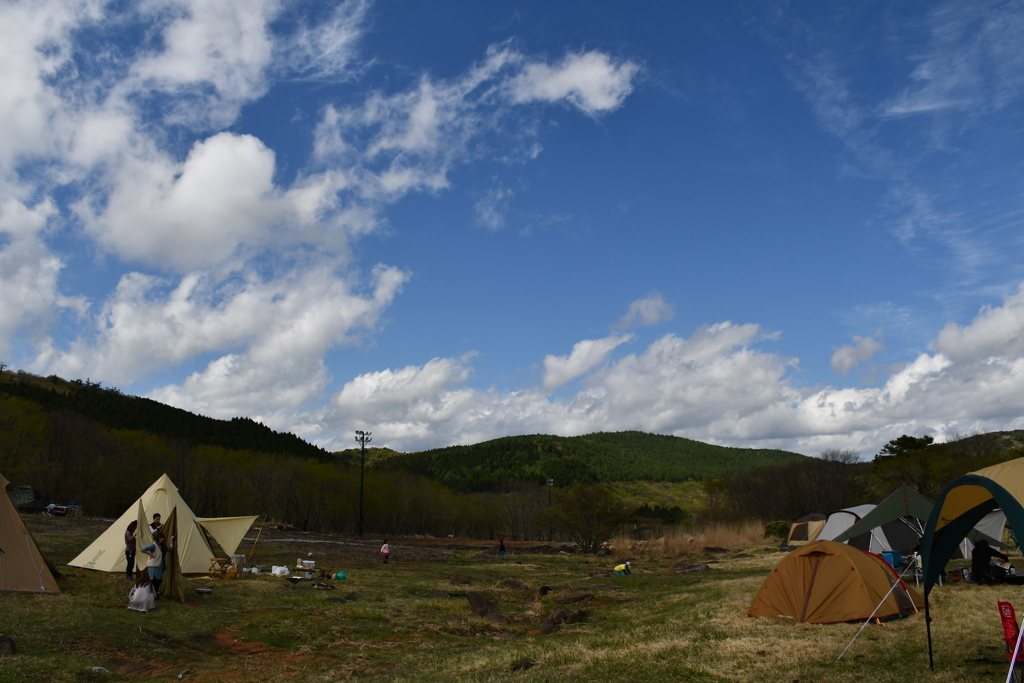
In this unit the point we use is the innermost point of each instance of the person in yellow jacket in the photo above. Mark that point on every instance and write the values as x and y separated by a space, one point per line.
623 569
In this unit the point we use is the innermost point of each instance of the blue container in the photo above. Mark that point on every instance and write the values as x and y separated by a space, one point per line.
894 559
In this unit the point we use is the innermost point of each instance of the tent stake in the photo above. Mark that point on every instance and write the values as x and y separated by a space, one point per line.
248 559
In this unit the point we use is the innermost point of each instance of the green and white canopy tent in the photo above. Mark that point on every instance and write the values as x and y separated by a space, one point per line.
963 504
900 520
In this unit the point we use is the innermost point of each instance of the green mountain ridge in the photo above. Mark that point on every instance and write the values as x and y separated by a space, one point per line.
599 457
489 466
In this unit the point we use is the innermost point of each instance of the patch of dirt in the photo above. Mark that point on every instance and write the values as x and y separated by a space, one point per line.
137 667
165 640
229 642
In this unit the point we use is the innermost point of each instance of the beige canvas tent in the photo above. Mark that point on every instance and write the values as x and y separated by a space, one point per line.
23 569
106 553
806 529
826 582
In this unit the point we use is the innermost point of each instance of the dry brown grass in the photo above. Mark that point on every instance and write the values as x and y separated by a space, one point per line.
621 546
679 543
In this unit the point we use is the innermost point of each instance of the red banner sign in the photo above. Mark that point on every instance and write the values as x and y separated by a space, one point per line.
1009 619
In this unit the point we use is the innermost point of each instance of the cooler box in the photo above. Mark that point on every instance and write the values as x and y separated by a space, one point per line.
894 559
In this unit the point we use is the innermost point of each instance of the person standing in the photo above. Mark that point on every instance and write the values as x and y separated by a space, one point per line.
157 562
385 551
129 550
155 525
981 563
501 549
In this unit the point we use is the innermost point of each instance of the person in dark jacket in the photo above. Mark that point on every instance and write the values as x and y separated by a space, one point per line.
129 550
981 563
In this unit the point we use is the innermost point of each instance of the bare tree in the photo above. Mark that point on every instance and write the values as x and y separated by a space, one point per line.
588 514
844 456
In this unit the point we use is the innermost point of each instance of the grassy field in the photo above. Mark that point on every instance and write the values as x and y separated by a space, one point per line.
689 495
409 621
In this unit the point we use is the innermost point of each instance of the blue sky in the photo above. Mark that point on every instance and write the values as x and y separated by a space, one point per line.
755 224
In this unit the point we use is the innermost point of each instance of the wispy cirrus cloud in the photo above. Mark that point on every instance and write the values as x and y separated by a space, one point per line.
952 74
491 208
650 310
972 61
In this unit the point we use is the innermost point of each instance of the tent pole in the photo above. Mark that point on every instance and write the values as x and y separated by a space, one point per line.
247 560
877 607
1016 651
928 625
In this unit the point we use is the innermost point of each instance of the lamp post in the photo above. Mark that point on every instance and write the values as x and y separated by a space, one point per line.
363 438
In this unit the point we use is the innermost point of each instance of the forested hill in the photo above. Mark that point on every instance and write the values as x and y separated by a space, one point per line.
488 466
115 410
604 457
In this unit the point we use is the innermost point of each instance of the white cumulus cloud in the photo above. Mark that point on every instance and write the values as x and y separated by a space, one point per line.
292 319
590 80
717 385
195 213
586 354
28 271
215 55
130 148
994 333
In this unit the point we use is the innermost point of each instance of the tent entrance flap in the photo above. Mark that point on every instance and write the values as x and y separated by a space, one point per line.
810 584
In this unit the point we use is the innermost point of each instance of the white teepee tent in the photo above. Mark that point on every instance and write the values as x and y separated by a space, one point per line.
106 553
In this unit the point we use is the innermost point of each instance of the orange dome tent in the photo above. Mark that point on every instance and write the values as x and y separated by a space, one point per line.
826 582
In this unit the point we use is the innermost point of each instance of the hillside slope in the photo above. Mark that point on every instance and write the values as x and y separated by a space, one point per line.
604 456
114 410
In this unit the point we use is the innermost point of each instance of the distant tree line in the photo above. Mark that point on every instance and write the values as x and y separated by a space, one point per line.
837 479
69 457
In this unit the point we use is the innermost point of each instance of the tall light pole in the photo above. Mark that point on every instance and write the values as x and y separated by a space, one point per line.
363 438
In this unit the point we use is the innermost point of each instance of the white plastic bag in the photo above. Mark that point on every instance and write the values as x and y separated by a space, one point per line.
142 598
280 571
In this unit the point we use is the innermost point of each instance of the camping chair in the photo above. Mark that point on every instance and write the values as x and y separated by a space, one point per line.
1011 632
918 563
219 567
918 568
